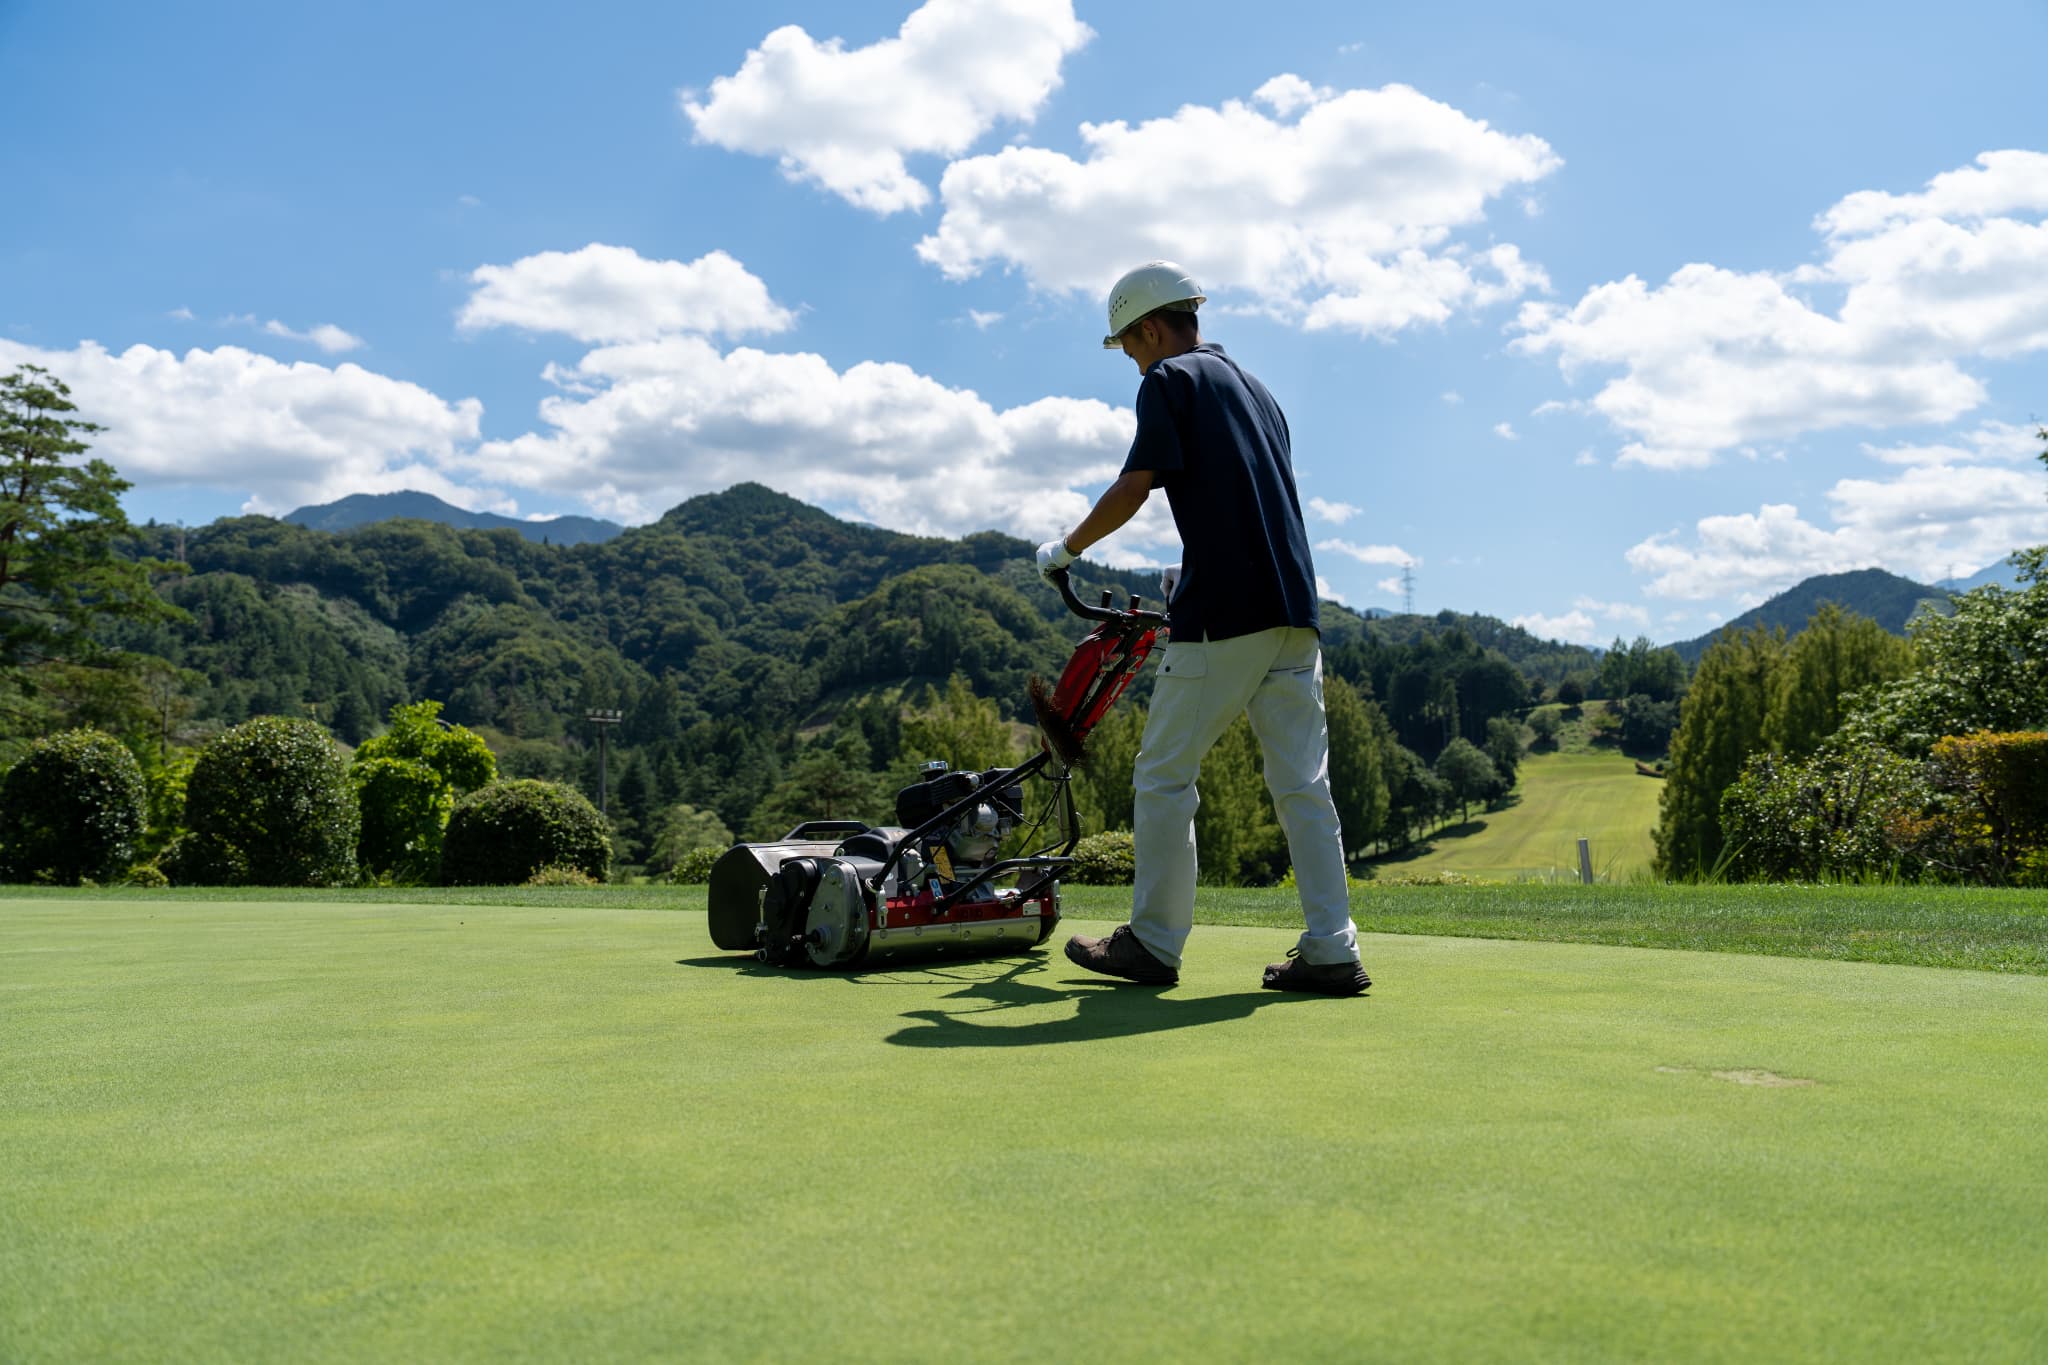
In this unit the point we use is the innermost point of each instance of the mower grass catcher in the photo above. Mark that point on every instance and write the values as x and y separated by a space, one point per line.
839 893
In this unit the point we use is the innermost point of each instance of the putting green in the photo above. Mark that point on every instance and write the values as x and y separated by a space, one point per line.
239 1130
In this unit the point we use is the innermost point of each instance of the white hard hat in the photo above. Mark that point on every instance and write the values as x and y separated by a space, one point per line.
1152 286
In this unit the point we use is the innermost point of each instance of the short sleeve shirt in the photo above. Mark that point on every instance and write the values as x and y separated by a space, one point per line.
1217 443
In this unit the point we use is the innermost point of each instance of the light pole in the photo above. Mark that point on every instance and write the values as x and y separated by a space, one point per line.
604 721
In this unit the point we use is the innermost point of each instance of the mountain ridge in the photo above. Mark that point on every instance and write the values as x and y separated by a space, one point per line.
367 509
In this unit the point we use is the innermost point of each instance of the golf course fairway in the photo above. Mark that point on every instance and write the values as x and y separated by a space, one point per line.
307 1131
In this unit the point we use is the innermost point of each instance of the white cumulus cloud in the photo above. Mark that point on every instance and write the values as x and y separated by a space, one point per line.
845 118
326 336
1715 360
1324 510
1336 210
1506 431
639 427
1947 512
1614 611
286 434
1371 554
1574 627
613 293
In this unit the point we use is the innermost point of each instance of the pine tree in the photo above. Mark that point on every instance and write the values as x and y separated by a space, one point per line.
59 522
1720 723
1837 653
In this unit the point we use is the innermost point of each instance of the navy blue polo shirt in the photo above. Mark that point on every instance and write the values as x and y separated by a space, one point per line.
1216 441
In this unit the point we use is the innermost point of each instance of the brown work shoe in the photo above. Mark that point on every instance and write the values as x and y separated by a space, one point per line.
1120 955
1325 978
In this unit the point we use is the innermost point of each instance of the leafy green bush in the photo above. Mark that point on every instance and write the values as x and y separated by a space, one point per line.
1839 813
1106 859
268 804
560 874
406 782
203 860
146 874
72 809
502 834
694 867
1995 798
681 831
405 807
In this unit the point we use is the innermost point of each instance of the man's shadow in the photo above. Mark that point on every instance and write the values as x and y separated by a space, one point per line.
1103 1008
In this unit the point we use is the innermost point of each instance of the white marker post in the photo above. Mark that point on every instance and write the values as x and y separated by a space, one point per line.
1585 863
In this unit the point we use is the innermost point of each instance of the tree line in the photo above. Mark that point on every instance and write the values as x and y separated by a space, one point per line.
765 656
1846 752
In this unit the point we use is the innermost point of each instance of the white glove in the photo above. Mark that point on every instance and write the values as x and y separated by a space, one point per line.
1052 557
1169 581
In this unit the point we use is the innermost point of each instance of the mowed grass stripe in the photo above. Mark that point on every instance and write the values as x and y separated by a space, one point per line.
328 1131
1934 926
1561 798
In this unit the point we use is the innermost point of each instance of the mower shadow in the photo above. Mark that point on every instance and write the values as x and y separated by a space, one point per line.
1103 1008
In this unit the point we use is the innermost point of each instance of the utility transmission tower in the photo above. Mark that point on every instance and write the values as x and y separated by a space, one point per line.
1408 589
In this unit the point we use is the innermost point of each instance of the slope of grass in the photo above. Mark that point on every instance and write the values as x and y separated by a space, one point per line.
322 1131
1560 798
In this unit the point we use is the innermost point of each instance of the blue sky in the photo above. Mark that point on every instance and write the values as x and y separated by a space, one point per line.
1611 323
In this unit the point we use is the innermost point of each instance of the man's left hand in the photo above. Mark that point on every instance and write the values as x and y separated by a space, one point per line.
1052 557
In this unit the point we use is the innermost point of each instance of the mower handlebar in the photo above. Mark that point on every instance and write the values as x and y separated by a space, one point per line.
1105 612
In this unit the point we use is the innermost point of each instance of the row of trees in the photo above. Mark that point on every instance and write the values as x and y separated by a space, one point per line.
276 802
716 632
1846 751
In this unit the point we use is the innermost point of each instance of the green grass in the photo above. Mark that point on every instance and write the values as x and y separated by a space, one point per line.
1938 926
312 1129
1928 926
1560 798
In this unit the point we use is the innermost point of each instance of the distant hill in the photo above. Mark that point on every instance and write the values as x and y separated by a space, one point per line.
364 509
2002 573
1884 597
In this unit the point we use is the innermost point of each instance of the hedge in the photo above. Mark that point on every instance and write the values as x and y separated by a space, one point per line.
504 833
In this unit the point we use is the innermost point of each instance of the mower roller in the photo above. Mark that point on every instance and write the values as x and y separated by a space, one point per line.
842 893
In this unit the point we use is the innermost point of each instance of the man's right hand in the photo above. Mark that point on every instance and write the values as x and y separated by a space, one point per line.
1169 581
1052 557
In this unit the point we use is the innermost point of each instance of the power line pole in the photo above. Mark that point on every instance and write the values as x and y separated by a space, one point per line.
1408 589
604 721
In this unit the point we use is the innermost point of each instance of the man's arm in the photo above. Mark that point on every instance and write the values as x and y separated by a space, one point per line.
1117 505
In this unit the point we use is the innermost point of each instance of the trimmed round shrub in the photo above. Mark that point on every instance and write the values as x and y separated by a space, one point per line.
72 809
694 867
1106 859
268 803
504 833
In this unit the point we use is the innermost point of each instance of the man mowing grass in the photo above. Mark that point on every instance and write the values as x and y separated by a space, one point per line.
1245 638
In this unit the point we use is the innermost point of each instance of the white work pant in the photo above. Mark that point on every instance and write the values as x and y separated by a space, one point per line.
1275 677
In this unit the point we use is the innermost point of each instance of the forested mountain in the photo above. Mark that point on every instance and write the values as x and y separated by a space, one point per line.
725 631
1884 597
362 509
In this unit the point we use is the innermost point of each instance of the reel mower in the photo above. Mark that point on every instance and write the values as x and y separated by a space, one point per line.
841 893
